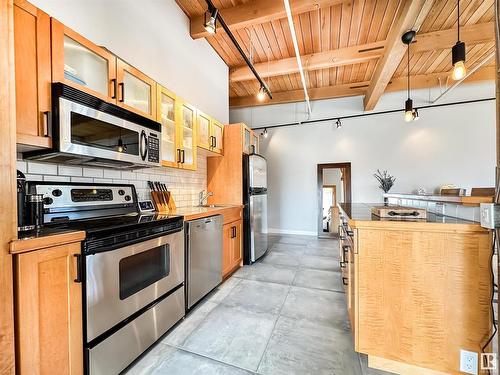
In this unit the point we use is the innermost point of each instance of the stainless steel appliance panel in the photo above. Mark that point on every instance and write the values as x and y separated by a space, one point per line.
139 142
115 353
111 297
204 253
258 226
258 171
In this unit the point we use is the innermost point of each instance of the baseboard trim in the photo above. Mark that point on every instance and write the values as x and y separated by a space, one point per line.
296 232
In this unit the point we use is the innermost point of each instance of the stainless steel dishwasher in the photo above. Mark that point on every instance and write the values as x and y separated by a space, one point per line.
203 257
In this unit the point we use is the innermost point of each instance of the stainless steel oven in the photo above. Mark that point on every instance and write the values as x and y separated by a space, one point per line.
87 130
122 281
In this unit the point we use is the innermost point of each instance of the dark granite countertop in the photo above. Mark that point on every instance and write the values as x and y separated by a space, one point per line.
362 212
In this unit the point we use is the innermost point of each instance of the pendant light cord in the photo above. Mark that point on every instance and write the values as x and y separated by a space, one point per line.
408 70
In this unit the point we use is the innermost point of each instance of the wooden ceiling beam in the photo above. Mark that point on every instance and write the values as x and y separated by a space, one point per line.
257 12
327 92
314 61
437 40
410 15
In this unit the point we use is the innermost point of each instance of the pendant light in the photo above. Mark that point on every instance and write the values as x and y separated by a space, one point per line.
211 23
458 52
261 95
410 113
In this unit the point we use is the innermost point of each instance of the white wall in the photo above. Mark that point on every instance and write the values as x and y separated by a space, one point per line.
447 145
153 36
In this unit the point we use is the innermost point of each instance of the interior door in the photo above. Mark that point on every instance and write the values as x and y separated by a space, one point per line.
167 117
80 63
135 90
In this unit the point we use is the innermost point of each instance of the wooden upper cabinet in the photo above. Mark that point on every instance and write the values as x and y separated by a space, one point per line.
186 147
217 134
33 76
167 116
247 139
205 139
135 90
79 63
49 330
255 143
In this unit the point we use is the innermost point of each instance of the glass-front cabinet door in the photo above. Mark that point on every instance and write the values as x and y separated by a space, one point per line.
167 117
246 140
255 142
135 90
186 149
204 135
80 63
217 136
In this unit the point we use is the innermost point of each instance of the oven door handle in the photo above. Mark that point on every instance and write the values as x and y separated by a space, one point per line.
78 268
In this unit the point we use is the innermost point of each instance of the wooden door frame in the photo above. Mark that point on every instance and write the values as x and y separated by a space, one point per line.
346 167
8 226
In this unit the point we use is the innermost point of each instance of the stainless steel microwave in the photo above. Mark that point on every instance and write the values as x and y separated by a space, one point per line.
87 130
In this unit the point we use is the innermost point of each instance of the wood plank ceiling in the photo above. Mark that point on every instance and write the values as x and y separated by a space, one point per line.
341 43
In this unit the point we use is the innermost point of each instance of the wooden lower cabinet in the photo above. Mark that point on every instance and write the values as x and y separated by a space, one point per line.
232 247
49 311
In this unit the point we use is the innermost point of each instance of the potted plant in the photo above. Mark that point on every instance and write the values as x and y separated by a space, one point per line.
385 180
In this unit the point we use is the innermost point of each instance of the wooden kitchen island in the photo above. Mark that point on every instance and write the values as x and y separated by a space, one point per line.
417 291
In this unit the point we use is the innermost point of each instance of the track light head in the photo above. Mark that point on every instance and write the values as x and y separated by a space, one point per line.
211 23
338 124
409 110
264 133
458 61
261 95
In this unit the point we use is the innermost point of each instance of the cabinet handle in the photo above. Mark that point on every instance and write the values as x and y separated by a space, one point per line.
345 281
113 85
211 141
233 232
179 160
215 142
183 156
341 237
47 124
343 264
122 92
78 268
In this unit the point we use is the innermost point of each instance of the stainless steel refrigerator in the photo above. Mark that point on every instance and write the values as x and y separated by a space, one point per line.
255 211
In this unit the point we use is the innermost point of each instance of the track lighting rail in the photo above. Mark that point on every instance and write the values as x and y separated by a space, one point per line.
240 50
340 118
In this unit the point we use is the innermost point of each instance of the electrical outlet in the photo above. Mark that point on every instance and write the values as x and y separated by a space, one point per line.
468 362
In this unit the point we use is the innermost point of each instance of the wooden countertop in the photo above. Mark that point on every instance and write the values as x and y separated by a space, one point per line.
192 213
360 216
465 200
45 239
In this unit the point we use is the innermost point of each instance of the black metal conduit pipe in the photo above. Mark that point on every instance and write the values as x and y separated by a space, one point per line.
370 114
240 50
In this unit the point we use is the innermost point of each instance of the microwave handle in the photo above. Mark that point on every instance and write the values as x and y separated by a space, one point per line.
143 145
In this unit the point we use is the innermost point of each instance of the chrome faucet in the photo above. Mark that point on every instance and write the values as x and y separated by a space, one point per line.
203 197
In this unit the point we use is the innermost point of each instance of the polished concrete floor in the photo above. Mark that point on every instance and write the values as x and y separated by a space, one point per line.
284 315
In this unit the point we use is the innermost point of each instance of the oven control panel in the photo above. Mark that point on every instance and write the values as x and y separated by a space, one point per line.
60 197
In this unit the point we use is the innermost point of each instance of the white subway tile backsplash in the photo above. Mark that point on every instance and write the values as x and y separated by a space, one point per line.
184 185
92 172
57 178
82 179
112 173
66 170
42 168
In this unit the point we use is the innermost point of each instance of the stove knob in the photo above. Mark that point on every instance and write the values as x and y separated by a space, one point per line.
121 192
56 192
127 198
47 201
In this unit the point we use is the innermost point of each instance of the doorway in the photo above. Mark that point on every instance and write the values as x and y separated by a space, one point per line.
334 187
